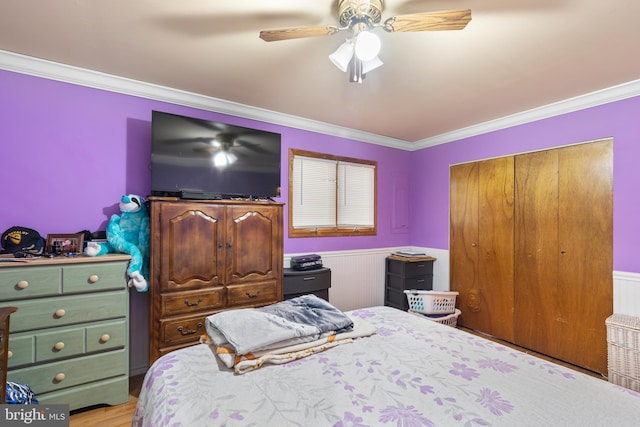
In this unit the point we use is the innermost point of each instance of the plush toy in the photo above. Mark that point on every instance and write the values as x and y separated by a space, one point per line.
128 234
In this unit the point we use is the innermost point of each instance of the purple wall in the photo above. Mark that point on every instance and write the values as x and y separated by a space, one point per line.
69 152
620 120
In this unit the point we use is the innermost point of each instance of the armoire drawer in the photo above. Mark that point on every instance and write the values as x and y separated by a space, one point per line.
181 330
190 301
61 311
254 293
68 373
21 283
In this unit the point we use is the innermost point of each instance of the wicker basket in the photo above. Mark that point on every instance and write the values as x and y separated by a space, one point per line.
623 347
447 319
431 302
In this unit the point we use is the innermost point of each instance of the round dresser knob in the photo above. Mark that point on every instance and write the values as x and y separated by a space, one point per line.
59 346
61 312
93 278
9 354
105 338
22 284
59 377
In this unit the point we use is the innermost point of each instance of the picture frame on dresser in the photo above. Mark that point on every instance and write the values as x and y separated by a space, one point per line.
60 244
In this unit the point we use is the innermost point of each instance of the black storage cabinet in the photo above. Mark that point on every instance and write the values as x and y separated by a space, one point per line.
406 274
297 283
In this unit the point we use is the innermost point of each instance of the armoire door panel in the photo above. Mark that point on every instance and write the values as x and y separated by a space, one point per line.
586 257
252 233
536 251
192 251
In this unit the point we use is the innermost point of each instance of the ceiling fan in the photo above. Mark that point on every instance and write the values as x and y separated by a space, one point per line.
359 53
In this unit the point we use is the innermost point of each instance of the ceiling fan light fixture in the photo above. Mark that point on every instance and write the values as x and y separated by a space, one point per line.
367 45
355 71
223 159
371 65
342 56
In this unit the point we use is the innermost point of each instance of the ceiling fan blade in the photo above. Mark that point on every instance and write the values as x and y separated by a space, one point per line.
298 33
429 21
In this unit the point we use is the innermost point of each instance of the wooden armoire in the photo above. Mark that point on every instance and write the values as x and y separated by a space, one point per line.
531 249
209 256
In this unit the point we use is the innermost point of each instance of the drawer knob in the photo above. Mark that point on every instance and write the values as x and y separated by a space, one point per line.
253 295
22 284
59 346
93 278
61 312
59 377
105 338
9 354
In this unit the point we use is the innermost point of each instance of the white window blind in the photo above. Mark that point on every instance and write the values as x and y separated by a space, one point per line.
314 192
355 195
328 193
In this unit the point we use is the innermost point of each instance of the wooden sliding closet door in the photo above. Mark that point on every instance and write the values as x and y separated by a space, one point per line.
564 263
481 260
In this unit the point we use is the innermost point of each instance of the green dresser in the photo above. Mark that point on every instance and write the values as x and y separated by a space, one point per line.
69 338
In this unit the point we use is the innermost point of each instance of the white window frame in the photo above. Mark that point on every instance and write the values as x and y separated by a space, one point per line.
331 195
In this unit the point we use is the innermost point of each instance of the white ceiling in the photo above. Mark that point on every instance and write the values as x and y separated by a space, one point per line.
513 55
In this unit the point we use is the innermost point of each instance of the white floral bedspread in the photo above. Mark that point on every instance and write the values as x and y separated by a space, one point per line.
412 373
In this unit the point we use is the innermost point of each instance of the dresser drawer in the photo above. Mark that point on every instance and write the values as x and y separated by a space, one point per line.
20 283
53 312
68 373
21 350
106 335
190 301
82 278
252 294
58 344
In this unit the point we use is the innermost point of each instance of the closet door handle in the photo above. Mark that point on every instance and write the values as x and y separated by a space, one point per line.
474 244
563 252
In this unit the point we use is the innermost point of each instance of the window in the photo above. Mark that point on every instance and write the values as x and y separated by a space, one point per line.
331 195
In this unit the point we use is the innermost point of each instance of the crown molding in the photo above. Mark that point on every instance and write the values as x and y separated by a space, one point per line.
79 76
66 73
600 97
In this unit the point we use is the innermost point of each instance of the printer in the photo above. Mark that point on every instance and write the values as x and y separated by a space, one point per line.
306 262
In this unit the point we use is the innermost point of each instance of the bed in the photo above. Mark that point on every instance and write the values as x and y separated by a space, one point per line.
411 372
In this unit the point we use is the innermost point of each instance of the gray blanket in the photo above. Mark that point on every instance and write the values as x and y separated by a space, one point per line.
302 319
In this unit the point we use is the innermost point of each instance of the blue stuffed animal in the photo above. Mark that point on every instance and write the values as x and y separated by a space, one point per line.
128 234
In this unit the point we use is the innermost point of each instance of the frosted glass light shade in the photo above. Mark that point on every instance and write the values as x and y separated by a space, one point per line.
367 46
342 56
370 65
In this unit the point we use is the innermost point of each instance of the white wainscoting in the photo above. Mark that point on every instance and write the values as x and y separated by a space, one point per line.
626 293
358 276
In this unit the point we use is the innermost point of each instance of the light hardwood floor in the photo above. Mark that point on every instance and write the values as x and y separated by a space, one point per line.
110 416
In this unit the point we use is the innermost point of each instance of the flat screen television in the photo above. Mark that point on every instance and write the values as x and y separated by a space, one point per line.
201 159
